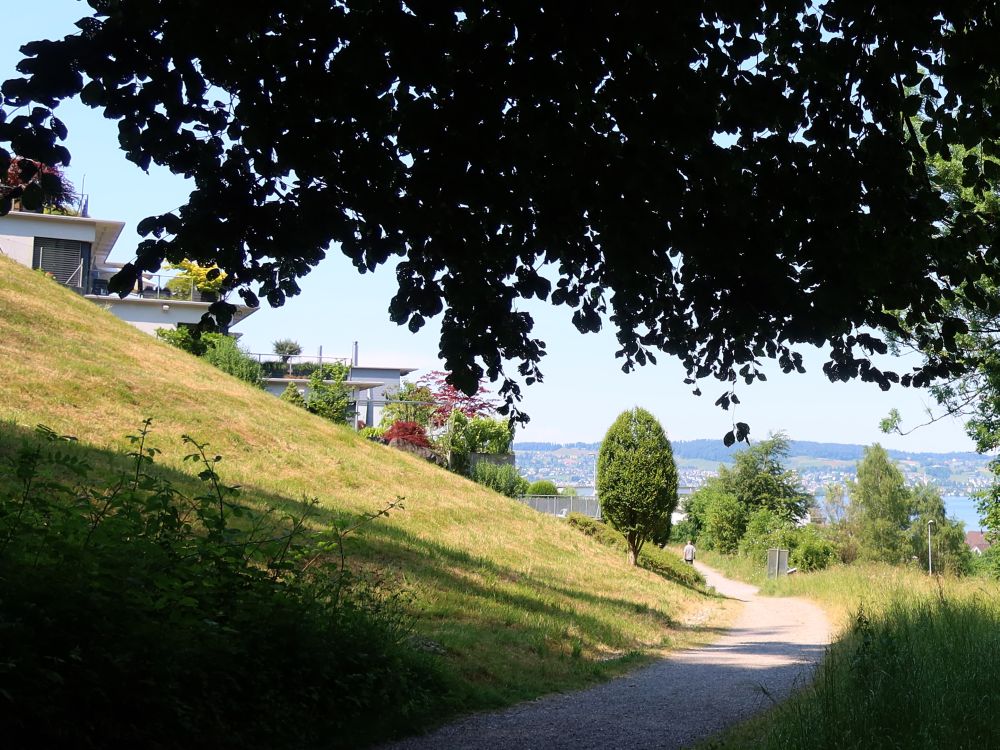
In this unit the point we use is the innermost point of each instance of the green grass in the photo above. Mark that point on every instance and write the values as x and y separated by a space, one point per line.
735 566
515 603
915 665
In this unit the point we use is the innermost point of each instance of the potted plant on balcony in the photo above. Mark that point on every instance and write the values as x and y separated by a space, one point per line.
29 185
194 279
286 349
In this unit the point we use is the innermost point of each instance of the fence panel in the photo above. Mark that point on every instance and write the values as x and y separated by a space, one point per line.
563 505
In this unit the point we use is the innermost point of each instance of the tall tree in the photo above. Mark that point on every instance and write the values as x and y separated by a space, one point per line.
974 392
759 480
882 504
834 503
722 182
950 552
637 479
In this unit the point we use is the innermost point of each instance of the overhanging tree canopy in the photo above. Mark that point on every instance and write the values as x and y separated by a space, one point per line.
721 181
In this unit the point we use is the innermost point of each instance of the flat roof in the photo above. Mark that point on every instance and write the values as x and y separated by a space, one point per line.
355 385
400 370
106 232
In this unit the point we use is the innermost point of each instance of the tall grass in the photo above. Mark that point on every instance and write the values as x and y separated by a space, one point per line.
915 666
735 566
918 674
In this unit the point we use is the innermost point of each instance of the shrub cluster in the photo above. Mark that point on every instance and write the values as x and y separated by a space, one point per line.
407 432
136 614
542 487
219 350
502 478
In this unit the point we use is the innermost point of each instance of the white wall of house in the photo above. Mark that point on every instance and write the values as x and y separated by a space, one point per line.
372 400
44 225
149 314
18 248
277 386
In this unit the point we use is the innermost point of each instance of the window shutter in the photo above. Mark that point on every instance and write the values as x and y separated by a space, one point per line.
62 258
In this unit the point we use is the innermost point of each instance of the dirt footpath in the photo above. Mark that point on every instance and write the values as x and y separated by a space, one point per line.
771 649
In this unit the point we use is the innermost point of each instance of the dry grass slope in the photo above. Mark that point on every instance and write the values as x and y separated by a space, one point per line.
521 603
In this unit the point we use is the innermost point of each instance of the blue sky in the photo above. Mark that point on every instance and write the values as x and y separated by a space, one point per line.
584 388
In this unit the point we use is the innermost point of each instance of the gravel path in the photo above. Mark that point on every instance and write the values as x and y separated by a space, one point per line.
772 648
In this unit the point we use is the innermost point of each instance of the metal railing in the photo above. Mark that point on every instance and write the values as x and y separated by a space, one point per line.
156 286
294 365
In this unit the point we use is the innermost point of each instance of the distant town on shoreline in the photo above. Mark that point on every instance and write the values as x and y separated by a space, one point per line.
819 464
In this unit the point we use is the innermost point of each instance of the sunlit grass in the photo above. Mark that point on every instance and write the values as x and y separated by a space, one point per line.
915 664
519 604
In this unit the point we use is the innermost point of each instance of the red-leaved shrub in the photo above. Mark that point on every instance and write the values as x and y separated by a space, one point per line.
407 432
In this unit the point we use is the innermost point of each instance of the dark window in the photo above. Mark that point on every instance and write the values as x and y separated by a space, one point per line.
67 260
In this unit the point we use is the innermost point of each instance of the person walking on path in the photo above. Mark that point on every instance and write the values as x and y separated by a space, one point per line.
689 553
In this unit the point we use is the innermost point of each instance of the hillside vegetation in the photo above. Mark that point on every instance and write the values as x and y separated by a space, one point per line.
509 603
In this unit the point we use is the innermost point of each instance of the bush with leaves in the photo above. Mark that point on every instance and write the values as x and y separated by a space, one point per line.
501 478
407 432
193 277
761 533
217 349
466 435
137 613
40 186
986 564
292 395
182 338
542 487
223 352
375 434
411 403
812 550
328 396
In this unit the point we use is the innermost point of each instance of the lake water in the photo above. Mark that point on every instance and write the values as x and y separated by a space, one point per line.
963 509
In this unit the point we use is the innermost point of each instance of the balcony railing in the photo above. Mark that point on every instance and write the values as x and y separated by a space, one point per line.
156 286
294 366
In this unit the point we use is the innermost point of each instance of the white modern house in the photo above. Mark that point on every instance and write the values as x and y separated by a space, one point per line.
371 387
75 250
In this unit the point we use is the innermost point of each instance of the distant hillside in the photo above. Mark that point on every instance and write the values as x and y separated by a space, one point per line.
819 464
709 449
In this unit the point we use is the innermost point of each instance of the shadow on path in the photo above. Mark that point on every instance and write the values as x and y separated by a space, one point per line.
772 648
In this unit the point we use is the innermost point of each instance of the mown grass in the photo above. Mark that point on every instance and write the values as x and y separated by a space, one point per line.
915 665
516 603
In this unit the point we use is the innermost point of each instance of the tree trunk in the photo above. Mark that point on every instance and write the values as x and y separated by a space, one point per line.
633 554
